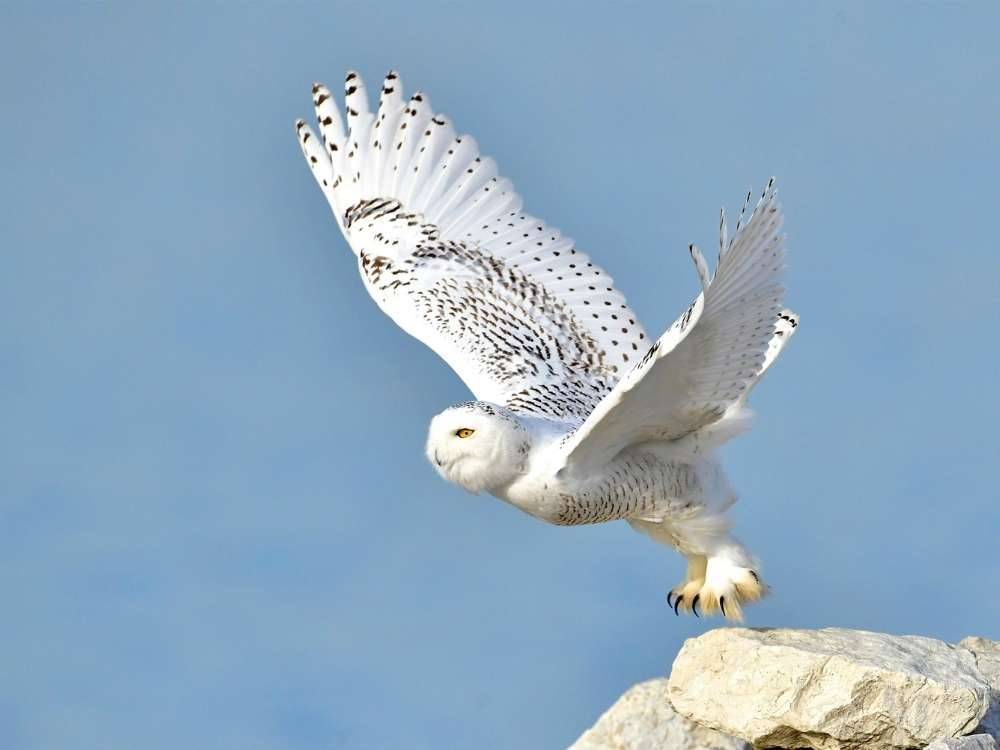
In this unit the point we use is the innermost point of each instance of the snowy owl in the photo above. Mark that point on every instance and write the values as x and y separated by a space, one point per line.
579 417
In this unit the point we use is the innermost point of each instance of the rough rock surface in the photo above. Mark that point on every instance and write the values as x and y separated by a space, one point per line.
642 719
987 655
831 688
972 742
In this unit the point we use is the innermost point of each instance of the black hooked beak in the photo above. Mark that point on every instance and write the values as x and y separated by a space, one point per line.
437 460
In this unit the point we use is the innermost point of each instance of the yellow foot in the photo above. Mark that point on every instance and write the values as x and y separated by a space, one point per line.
684 594
725 587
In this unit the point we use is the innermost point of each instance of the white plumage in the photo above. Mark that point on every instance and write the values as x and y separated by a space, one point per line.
580 418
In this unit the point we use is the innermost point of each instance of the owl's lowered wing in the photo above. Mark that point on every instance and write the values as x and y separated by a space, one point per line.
521 315
706 362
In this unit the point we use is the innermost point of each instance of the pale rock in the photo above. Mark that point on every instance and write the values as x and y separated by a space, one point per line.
971 742
829 689
643 719
987 654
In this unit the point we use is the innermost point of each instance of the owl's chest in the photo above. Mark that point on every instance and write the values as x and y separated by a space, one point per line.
634 485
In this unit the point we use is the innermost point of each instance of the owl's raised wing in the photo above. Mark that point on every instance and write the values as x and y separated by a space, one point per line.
521 315
706 362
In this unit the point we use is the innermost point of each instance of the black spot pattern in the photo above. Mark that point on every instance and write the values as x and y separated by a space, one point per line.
632 485
500 320
407 152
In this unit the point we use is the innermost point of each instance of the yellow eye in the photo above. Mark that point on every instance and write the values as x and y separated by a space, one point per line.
464 432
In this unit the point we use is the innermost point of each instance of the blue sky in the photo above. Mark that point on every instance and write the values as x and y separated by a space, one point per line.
218 527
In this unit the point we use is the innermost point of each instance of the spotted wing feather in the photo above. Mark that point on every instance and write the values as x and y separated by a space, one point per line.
706 362
446 250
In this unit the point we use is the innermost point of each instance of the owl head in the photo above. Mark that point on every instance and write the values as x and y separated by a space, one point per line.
478 445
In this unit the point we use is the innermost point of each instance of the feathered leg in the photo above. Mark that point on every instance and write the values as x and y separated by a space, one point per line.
722 576
731 580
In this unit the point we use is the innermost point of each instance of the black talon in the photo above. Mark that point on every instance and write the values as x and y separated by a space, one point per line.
694 605
722 605
670 595
678 604
755 576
